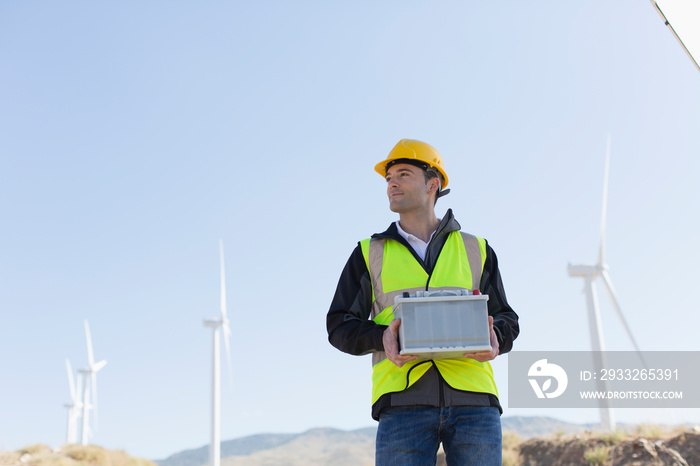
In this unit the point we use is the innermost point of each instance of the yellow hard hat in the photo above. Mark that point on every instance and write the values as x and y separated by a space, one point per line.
414 150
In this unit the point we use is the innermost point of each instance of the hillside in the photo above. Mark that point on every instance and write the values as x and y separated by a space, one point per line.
618 449
527 441
69 455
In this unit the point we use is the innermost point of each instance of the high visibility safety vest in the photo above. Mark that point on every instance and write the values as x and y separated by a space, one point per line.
394 270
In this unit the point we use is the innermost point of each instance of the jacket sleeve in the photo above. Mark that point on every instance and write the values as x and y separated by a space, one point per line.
505 320
348 322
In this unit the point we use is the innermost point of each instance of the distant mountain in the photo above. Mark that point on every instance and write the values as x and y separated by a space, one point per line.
316 447
327 446
315 442
539 426
240 446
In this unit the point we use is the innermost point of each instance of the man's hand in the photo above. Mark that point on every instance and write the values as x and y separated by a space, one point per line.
484 356
391 345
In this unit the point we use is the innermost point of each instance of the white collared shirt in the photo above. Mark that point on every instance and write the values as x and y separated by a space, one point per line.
416 243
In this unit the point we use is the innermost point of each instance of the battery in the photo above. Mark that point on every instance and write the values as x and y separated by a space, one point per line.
442 324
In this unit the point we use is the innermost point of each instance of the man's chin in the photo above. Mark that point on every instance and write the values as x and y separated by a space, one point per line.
395 208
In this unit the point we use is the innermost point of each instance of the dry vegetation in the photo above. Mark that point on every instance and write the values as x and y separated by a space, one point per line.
646 444
69 455
510 446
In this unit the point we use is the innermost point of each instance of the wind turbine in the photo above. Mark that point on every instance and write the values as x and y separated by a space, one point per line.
590 273
89 373
74 407
216 324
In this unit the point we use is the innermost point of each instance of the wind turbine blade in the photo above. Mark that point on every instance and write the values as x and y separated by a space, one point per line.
613 297
91 358
79 389
224 317
71 383
223 280
601 253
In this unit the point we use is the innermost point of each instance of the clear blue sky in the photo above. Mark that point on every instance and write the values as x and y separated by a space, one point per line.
133 136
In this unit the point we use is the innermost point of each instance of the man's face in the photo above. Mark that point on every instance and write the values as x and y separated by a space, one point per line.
407 188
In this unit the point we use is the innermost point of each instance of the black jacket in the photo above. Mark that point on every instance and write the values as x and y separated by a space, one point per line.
348 324
351 330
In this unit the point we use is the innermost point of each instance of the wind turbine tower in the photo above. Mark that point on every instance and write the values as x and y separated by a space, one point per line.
91 374
216 324
590 273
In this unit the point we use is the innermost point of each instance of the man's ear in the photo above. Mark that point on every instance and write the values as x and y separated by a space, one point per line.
434 182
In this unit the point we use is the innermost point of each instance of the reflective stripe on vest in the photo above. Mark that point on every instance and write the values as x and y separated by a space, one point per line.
394 270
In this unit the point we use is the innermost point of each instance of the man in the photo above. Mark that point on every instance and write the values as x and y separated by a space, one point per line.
422 403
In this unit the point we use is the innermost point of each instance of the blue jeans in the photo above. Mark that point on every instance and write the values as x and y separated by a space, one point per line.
411 435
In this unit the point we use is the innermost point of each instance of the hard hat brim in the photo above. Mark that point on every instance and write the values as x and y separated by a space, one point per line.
412 149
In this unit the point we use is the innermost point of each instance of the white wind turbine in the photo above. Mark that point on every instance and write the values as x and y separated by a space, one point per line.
590 273
91 374
74 407
216 324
